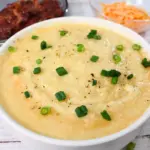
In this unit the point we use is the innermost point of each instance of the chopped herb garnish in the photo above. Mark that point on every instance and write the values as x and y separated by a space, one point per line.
37 70
93 35
63 32
116 58
111 73
45 110
61 71
38 61
43 45
80 48
60 96
114 80
94 58
11 49
129 77
136 47
27 94
81 111
105 73
120 47
130 146
145 63
114 73
105 115
34 37
16 70
94 82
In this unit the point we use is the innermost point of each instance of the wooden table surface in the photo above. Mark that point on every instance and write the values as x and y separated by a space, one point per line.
8 138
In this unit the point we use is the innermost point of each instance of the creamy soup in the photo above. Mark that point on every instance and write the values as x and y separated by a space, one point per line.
74 81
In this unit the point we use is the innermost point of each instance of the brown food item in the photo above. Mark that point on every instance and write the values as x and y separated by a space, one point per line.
23 13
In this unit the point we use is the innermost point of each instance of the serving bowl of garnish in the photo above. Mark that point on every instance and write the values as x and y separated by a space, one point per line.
76 83
133 14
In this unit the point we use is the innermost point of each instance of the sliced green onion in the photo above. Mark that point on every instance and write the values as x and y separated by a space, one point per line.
116 58
80 48
61 71
129 77
61 96
114 73
43 45
37 70
16 70
105 115
63 32
136 47
114 80
94 58
45 110
105 73
81 111
34 37
120 47
145 63
38 61
111 73
27 94
93 35
94 82
130 146
11 49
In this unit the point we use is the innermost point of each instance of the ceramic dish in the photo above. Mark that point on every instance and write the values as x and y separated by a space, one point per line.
112 142
137 25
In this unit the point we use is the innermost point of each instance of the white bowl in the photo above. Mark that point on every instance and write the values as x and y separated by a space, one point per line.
112 142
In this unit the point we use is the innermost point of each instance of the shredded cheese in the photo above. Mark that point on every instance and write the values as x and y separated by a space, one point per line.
127 15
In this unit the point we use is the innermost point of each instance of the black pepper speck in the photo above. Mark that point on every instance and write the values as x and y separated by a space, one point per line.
87 86
92 74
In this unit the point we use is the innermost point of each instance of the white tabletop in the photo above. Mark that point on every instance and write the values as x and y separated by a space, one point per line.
8 138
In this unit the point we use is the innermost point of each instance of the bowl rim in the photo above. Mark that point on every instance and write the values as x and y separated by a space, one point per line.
77 20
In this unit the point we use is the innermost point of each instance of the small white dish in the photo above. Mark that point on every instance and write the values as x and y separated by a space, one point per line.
137 25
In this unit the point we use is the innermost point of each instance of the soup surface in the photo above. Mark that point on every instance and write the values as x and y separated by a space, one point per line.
74 81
